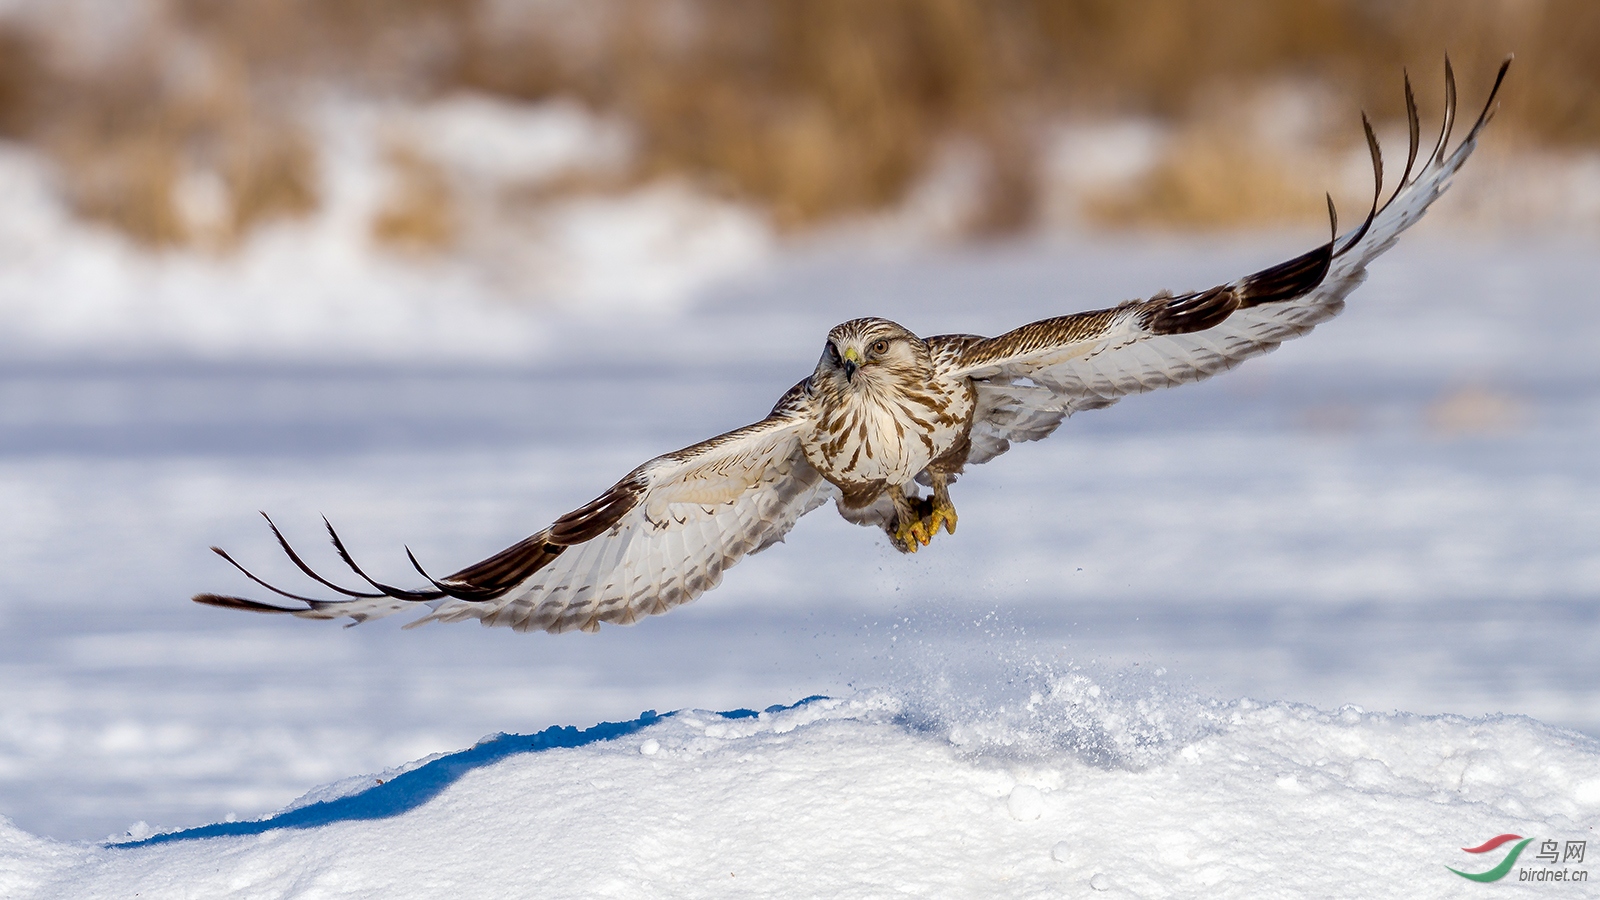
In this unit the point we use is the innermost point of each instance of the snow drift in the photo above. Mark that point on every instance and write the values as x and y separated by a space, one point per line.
1069 782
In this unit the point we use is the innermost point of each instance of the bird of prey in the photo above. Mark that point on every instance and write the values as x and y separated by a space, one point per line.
884 412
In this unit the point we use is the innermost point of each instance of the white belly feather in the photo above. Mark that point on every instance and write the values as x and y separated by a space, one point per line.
888 438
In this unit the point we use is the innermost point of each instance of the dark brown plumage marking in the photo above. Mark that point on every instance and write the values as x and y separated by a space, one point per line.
1040 335
598 515
952 461
511 566
861 494
1286 281
1191 312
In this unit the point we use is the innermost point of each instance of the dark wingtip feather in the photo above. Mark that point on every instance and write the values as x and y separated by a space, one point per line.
470 593
1414 124
1490 106
309 572
1286 280
252 576
1377 187
1449 111
1192 312
227 602
388 590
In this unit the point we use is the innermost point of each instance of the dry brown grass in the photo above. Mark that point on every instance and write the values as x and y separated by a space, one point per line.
810 108
403 45
1210 178
419 214
19 82
816 108
127 134
126 171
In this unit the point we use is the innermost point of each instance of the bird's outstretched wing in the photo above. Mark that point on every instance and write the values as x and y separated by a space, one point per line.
1033 377
660 537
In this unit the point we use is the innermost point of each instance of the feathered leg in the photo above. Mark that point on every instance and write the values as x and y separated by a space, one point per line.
943 511
918 519
910 528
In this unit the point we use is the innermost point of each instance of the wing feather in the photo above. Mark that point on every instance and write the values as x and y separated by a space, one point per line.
658 538
1031 378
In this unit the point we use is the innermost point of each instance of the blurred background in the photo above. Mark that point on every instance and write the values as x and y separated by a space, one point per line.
513 134
442 269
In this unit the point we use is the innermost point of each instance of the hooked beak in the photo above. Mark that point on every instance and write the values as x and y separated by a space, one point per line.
852 361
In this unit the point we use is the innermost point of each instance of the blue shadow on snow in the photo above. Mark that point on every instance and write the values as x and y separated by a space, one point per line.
412 789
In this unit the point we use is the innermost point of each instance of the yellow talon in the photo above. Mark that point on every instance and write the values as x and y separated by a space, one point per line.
918 534
911 534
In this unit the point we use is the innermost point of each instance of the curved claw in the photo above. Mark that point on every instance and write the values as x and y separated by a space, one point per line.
911 534
942 515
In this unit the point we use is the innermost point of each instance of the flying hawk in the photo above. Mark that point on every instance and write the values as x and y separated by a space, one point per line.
885 411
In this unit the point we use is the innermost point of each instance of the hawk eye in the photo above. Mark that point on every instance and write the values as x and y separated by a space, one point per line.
880 347
833 351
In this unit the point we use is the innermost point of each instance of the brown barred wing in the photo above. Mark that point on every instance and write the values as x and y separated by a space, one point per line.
1033 377
659 538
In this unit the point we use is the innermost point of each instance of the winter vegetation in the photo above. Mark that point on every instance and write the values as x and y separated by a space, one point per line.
194 123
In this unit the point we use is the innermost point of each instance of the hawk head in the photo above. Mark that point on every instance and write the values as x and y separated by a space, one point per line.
872 354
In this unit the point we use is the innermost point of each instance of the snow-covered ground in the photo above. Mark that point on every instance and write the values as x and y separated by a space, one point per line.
1075 794
1384 534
